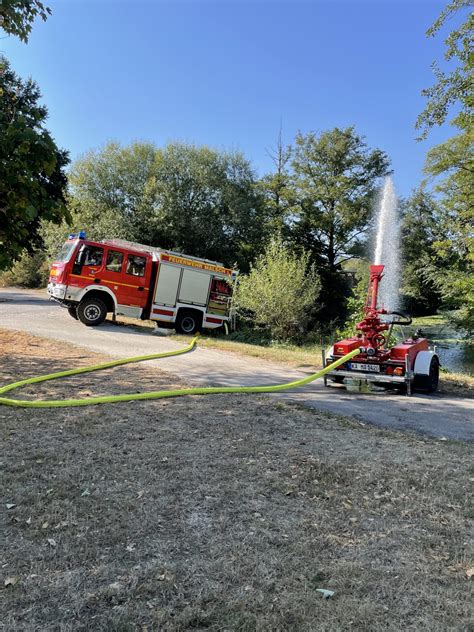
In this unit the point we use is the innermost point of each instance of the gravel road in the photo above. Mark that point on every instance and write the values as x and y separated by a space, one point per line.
437 415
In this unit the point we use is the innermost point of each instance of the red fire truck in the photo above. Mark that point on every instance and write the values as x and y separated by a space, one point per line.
115 276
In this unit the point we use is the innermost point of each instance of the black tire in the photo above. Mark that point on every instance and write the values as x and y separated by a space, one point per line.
428 383
188 322
72 311
92 311
338 379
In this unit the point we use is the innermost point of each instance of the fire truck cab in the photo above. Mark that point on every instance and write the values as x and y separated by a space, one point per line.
115 276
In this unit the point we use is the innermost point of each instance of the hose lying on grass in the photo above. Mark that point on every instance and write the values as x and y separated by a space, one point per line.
111 399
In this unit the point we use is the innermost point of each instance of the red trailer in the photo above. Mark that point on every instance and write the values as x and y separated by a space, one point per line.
115 276
411 363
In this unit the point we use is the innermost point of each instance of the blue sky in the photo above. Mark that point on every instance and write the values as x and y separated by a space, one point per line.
225 73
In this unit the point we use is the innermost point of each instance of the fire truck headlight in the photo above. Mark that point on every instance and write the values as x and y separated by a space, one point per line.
59 291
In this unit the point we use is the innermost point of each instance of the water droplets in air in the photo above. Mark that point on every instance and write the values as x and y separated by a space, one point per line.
387 247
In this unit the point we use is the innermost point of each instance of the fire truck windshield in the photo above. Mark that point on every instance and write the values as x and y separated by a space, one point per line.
66 251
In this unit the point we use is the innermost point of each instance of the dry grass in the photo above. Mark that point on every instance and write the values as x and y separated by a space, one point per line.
293 355
222 513
457 384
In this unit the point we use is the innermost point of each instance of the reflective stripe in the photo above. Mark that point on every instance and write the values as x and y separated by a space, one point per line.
209 319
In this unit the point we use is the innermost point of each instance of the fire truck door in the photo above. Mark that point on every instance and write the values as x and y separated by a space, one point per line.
88 263
134 290
112 275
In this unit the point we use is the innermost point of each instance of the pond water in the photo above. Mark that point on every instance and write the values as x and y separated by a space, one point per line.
457 356
454 353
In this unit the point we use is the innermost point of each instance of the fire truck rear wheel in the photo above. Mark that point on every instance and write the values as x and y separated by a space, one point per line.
92 311
188 322
428 383
72 311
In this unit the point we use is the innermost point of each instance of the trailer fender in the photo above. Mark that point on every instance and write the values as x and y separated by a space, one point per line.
423 362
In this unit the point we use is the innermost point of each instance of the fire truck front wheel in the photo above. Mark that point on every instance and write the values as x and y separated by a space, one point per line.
92 311
188 322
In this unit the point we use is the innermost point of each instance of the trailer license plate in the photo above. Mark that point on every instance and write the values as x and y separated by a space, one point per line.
356 366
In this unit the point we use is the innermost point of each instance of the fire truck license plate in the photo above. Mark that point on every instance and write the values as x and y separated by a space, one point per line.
356 366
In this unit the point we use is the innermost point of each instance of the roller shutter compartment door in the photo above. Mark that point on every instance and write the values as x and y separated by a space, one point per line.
167 285
194 287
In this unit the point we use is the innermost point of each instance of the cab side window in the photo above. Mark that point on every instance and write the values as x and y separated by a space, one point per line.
90 256
114 261
136 265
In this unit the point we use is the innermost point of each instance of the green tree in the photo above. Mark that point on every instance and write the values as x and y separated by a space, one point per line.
192 199
32 178
451 163
17 16
335 176
109 191
98 223
31 270
456 86
279 291
277 190
420 230
205 202
455 246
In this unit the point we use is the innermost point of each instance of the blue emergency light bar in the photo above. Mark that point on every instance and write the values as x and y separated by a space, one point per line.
80 235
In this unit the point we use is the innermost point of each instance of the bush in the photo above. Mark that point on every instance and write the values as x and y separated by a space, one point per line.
279 291
29 271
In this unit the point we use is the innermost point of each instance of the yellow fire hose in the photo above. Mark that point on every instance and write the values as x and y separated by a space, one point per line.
110 399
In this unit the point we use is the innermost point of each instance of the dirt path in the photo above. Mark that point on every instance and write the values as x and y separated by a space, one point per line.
439 415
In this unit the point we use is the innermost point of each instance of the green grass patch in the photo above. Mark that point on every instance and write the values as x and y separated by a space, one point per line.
436 320
296 355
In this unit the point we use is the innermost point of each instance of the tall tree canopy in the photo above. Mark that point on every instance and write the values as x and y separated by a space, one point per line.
109 191
455 86
451 163
17 16
193 199
277 189
32 178
205 203
335 176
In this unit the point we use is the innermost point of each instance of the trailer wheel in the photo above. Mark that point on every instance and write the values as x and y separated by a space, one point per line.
92 311
188 322
428 383
72 311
